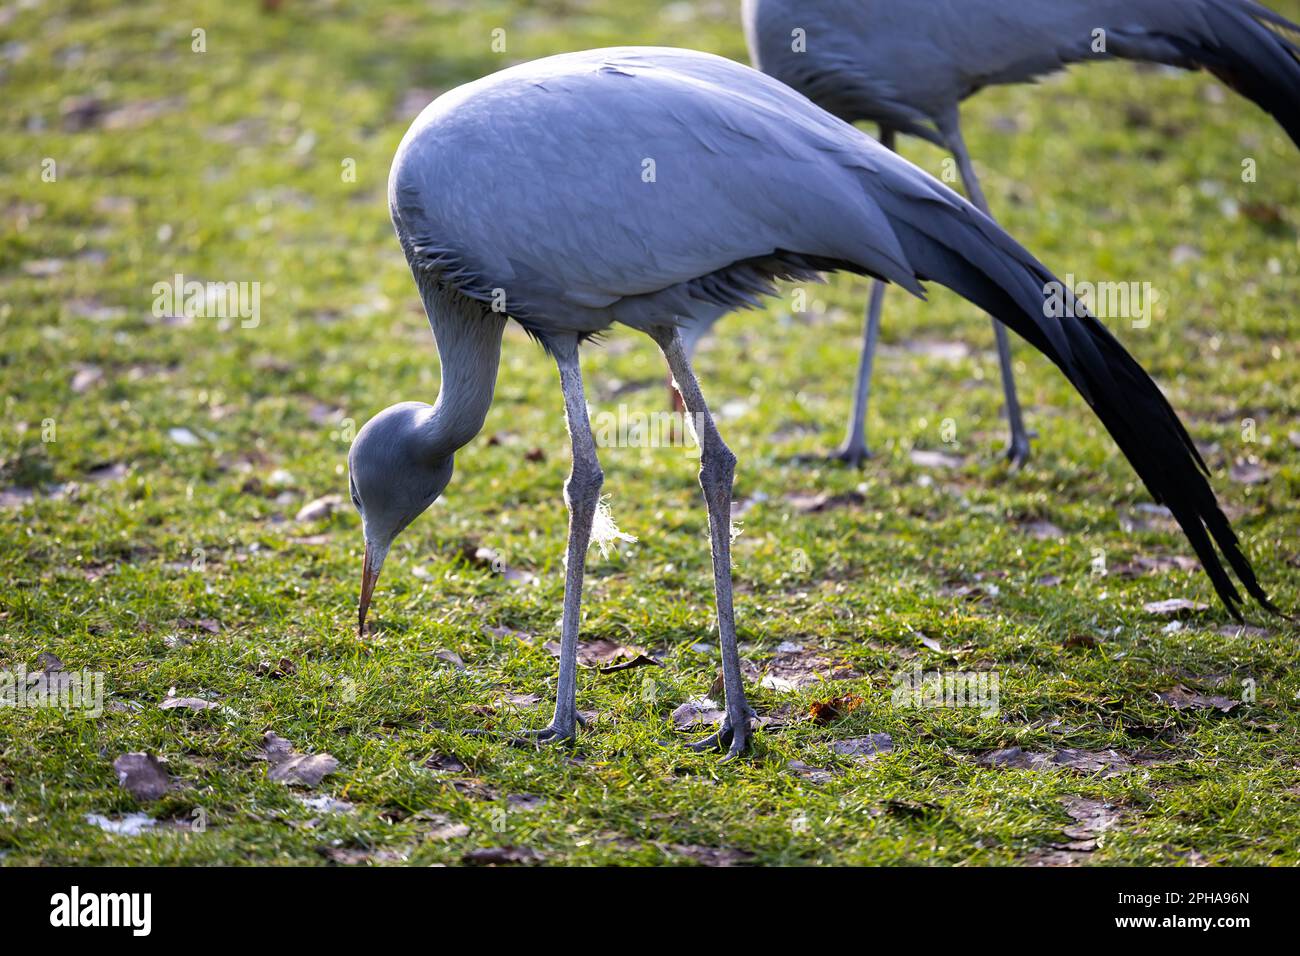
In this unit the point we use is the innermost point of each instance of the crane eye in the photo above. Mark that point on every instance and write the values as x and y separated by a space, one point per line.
356 499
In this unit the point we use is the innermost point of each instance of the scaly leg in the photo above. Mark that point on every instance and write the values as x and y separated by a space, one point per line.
582 495
1018 447
854 451
717 471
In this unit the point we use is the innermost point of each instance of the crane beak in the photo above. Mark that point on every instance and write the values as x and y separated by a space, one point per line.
369 575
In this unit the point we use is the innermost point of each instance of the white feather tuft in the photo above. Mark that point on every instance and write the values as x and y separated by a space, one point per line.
604 532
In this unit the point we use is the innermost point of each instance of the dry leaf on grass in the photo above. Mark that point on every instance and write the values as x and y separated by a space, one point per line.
825 711
810 773
1042 530
276 670
863 749
1092 817
1174 607
444 763
320 508
1107 762
289 766
187 703
359 856
326 804
501 856
606 656
1183 698
208 624
142 775
817 503
711 855
133 824
935 459
699 712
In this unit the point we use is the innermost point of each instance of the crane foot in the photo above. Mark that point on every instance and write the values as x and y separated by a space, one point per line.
553 733
851 455
549 734
845 454
734 738
1017 451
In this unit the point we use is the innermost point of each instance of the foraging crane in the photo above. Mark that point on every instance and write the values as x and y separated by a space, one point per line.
526 195
908 64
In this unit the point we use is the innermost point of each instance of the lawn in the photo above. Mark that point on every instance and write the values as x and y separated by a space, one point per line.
165 486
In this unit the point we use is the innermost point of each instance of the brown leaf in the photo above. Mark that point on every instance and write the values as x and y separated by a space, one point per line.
449 831
499 631
641 660
142 775
277 670
187 703
935 459
1154 564
517 701
712 855
793 666
1249 473
811 774
320 508
863 748
1106 762
1042 530
817 503
501 856
601 652
87 377
357 856
1082 640
825 711
1174 607
444 763
696 713
202 624
452 658
1264 213
289 766
1091 817
1181 698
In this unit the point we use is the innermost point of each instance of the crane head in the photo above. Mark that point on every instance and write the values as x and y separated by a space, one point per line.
396 470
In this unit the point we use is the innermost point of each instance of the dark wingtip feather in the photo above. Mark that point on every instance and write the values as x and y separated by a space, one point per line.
1257 53
959 247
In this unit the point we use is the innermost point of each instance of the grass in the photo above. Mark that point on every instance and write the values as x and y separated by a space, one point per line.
228 165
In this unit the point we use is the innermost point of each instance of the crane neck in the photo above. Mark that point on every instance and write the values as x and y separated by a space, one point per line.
469 349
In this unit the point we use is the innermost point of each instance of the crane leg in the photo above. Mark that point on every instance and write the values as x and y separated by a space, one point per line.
855 450
1018 446
717 472
582 495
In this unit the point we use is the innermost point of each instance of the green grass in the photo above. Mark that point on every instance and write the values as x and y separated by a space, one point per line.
226 165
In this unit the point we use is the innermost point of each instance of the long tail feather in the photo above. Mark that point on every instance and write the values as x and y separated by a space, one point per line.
1249 47
950 242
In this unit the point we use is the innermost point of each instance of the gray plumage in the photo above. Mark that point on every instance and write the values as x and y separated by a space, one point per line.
907 66
527 190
